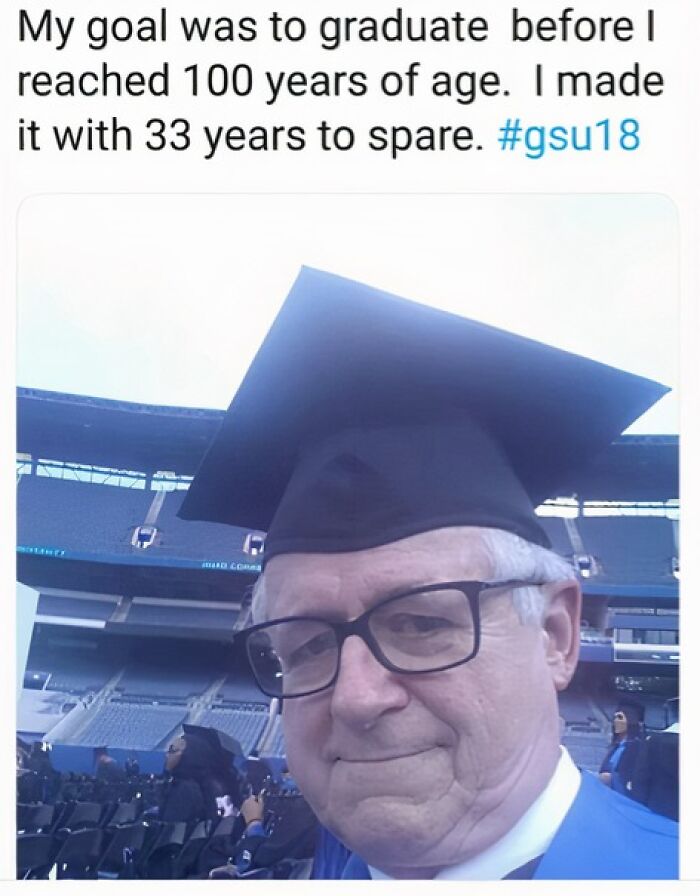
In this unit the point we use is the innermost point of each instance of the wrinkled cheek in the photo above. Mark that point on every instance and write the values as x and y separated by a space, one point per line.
500 728
484 742
303 742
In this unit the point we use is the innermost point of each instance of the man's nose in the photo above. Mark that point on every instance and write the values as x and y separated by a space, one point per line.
365 690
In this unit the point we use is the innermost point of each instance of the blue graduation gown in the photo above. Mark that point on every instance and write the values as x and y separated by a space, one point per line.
604 836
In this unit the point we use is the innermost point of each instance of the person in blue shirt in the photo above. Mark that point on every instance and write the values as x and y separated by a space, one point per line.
617 767
410 614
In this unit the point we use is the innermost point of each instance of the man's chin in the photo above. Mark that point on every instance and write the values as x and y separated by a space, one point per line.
383 830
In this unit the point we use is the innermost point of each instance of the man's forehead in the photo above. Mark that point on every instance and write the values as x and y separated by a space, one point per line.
438 555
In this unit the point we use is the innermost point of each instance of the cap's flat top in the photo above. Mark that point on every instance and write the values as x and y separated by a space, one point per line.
341 354
218 740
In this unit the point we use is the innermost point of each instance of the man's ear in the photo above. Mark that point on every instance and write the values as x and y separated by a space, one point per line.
561 626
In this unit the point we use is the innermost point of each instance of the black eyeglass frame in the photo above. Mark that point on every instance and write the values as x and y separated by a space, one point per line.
472 590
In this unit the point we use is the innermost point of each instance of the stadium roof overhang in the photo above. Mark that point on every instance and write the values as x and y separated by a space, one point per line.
637 469
117 434
147 438
104 577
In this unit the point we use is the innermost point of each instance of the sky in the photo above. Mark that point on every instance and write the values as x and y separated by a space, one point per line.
165 299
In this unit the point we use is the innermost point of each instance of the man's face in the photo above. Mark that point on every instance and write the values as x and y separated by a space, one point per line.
418 771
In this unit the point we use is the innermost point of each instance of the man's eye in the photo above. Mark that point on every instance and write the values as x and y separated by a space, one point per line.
416 624
311 650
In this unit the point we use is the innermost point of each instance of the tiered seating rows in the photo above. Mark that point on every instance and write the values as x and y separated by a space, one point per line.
131 726
246 725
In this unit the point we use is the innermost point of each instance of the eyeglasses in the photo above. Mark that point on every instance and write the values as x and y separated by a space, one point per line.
427 629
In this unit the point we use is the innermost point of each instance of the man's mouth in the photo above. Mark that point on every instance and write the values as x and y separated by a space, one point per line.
389 757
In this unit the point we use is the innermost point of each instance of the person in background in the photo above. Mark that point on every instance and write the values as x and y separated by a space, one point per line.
29 789
257 771
239 849
107 769
627 731
287 782
654 779
47 779
199 762
39 760
21 761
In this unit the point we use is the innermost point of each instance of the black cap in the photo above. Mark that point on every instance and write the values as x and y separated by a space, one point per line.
219 741
365 418
633 710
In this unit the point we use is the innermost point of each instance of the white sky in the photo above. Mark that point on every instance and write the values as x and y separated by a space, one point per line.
165 299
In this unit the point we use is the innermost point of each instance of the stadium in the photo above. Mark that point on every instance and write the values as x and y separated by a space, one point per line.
132 635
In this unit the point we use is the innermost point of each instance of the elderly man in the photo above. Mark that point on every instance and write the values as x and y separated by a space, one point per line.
410 614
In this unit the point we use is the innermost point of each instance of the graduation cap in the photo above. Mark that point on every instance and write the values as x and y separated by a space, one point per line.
633 710
365 418
218 741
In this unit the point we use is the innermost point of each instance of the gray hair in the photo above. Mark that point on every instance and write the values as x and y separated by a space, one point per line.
511 557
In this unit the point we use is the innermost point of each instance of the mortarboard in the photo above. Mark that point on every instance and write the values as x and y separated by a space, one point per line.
365 418
633 709
219 741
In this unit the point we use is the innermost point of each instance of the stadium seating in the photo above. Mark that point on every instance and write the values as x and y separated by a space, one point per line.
244 721
575 708
585 734
275 745
74 672
170 681
192 539
138 726
119 835
79 516
587 749
239 689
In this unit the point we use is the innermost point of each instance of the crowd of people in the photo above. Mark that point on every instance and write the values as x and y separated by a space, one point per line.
205 781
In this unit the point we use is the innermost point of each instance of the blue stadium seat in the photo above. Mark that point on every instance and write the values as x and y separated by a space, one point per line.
244 721
237 689
136 726
194 540
174 680
79 516
73 672
275 747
